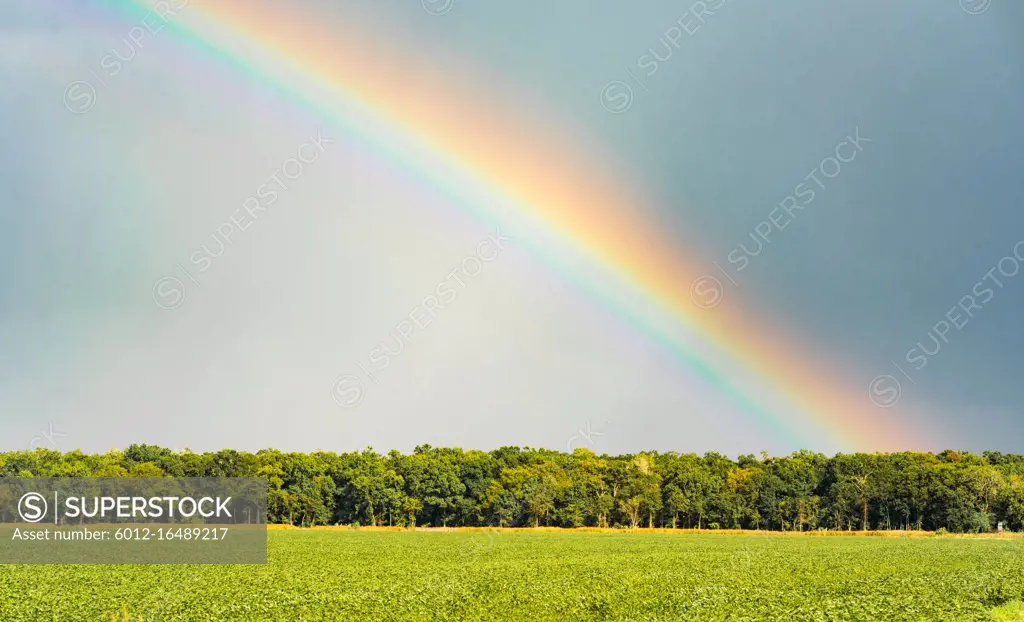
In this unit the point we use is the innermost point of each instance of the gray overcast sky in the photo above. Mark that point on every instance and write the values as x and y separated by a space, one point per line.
99 206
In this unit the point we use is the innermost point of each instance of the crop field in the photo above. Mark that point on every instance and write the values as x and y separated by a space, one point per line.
524 575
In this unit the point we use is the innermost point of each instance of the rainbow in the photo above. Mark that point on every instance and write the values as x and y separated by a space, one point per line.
475 146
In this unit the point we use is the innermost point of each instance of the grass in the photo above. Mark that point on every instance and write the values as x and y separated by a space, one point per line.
361 574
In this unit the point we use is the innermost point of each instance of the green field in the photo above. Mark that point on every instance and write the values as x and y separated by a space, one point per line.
522 575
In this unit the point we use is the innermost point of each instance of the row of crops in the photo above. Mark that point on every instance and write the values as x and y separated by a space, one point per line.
506 575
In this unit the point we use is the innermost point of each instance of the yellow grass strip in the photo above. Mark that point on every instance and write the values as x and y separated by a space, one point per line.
640 530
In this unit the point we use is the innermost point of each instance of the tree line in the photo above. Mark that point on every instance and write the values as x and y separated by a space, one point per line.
523 487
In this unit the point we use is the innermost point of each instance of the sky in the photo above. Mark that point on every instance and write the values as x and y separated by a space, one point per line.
125 317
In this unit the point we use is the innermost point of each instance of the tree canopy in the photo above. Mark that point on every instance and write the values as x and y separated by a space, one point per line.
523 487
